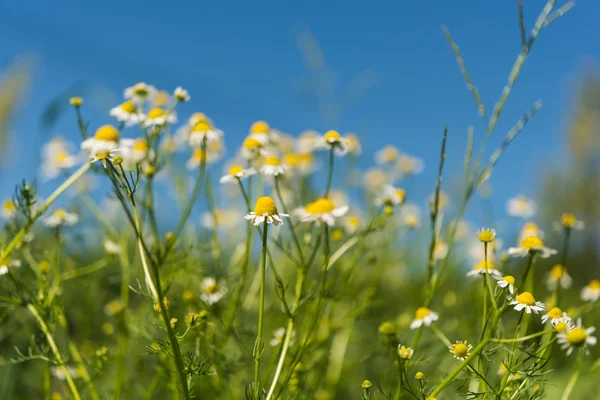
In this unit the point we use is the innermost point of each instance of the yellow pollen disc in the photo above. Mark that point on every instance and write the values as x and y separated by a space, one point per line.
568 220
236 169
291 159
76 101
389 153
483 265
8 205
532 242
337 234
422 312
260 128
107 133
62 156
557 271
305 158
460 350
202 126
155 113
128 107
577 337
141 145
510 279
60 213
530 226
252 144
404 352
273 160
212 288
401 193
485 236
353 221
526 298
561 327
140 89
265 205
161 98
594 284
332 135
320 206
555 312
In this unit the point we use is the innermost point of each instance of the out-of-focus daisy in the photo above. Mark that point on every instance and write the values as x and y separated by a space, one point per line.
140 92
57 157
423 316
162 98
306 141
530 229
577 337
386 155
443 201
507 281
104 143
410 216
408 165
339 198
181 94
530 245
568 221
440 251
211 290
203 129
554 315
133 151
486 235
261 131
7 263
351 223
127 112
485 268
236 172
521 206
265 210
333 140
391 196
461 350
251 148
222 219
158 117
272 166
9 209
279 335
591 292
405 353
322 210
60 217
374 179
527 302
558 275
353 144
302 163
111 248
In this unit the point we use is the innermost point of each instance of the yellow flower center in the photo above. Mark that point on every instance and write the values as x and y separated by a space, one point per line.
60 213
557 271
76 101
530 226
128 107
485 236
236 169
460 350
555 312
532 242
141 144
212 288
321 206
483 265
107 133
526 298
273 160
265 205
161 98
252 144
401 193
568 220
140 89
8 205
332 136
594 284
561 327
577 337
62 156
422 312
387 328
305 158
259 128
353 221
291 159
510 279
404 352
202 126
389 153
156 113
337 234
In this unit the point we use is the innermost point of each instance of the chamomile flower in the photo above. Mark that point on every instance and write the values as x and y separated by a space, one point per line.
568 221
261 131
374 179
443 201
351 223
104 143
353 144
521 206
158 117
423 316
220 219
507 281
563 324
485 268
440 251
410 216
127 112
387 155
7 263
554 315
111 248
322 210
279 335
265 210
212 291
391 196
197 155
530 245
408 165
405 353
139 92
201 130
272 166
61 217
162 98
527 302
461 350
9 209
591 292
486 235
181 94
558 275
236 172
530 229
577 337
57 157
133 151
251 148
333 140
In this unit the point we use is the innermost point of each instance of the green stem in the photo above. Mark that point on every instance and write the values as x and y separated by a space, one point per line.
330 173
571 384
258 344
523 338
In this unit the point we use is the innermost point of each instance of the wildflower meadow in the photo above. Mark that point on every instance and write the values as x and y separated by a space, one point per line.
171 262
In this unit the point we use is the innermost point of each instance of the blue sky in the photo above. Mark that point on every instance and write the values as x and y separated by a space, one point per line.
241 62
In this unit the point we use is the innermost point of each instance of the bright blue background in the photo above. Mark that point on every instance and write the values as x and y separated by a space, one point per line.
241 62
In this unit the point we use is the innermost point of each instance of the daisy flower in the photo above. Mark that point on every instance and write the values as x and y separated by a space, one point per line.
440 250
486 235
196 158
408 165
104 143
485 268
554 315
57 157
272 166
391 196
577 337
162 98
61 217
530 229
322 210
351 223
526 301
563 324
265 210
568 221
236 172
279 335
181 94
139 92
251 148
127 112
333 140
423 316
591 292
531 244
307 140
261 131
507 281
302 163
558 275
386 155
158 117
461 350
405 353
222 219
410 216
76 101
201 130
111 248
9 209
521 206
353 144
443 202
212 291
7 263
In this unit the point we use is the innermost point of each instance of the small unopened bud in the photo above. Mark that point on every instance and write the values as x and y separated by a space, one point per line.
173 322
118 160
76 101
150 171
388 211
419 376
366 384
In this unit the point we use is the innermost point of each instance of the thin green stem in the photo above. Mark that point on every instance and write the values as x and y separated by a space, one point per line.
258 348
330 172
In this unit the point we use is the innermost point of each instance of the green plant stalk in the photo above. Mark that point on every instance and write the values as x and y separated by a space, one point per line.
572 381
258 344
55 350
123 334
330 172
215 233
151 213
83 370
528 279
